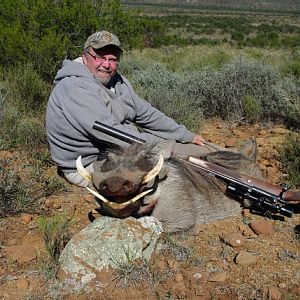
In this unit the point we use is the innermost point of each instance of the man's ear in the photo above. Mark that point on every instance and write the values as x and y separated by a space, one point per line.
84 59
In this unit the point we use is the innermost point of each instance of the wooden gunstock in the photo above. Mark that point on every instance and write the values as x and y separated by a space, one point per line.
270 188
291 196
251 181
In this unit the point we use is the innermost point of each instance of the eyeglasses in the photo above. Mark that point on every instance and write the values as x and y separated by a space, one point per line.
101 59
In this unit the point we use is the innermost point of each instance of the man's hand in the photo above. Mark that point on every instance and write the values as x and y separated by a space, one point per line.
198 140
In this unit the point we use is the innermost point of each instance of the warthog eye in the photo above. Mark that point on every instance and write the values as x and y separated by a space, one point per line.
108 166
145 163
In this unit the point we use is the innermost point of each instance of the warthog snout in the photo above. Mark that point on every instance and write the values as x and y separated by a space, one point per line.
117 186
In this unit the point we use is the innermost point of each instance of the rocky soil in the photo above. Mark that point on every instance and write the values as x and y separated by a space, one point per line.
249 256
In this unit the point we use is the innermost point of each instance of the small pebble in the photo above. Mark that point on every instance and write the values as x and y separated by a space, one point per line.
56 206
245 258
235 240
26 218
274 293
48 203
218 277
261 227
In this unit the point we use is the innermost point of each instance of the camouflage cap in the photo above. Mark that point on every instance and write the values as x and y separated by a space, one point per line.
101 39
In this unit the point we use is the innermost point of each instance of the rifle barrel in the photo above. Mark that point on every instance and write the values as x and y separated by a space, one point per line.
121 135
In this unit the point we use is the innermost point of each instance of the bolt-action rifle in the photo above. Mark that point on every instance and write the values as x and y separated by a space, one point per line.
262 195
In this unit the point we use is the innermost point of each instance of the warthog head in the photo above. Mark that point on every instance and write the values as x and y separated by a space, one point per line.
138 180
124 177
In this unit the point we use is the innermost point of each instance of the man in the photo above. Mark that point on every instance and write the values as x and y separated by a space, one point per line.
89 89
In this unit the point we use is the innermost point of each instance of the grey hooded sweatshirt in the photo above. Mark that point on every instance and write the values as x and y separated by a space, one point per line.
78 100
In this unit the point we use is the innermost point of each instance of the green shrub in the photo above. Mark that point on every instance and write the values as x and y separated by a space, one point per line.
285 103
237 36
291 41
292 65
55 231
238 89
162 88
130 64
43 32
223 92
14 197
290 158
252 108
17 132
23 99
27 91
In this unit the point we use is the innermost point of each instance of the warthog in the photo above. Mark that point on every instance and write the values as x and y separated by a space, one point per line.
143 180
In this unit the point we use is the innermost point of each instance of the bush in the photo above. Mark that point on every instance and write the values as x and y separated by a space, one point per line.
17 132
238 89
237 36
290 158
292 65
14 197
56 234
252 108
26 90
23 99
43 32
162 88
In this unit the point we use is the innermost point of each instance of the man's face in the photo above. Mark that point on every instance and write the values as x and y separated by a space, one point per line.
102 63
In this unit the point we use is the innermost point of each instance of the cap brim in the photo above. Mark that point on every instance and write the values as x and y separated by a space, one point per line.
108 44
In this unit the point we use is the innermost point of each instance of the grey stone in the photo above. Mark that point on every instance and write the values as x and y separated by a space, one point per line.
108 243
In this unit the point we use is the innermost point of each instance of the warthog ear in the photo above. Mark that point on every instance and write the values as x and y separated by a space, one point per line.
249 149
164 148
97 165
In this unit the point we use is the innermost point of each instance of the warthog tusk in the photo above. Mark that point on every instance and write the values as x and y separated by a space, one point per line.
150 175
82 171
97 195
115 205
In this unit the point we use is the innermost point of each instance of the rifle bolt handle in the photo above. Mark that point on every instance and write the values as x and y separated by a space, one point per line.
285 187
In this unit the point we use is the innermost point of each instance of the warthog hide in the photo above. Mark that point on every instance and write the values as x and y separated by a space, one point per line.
180 195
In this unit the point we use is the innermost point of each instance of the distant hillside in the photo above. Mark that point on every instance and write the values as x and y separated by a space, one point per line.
286 5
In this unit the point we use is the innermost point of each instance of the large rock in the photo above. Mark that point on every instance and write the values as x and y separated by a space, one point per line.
105 244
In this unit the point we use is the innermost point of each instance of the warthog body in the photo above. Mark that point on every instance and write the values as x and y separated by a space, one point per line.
181 194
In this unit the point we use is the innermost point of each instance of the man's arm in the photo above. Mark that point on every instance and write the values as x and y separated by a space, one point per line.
154 121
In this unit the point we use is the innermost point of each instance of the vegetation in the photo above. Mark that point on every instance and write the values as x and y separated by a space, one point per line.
239 30
219 5
235 89
42 32
291 159
14 195
272 24
56 234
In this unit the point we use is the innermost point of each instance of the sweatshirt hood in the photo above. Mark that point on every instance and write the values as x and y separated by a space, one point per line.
72 68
